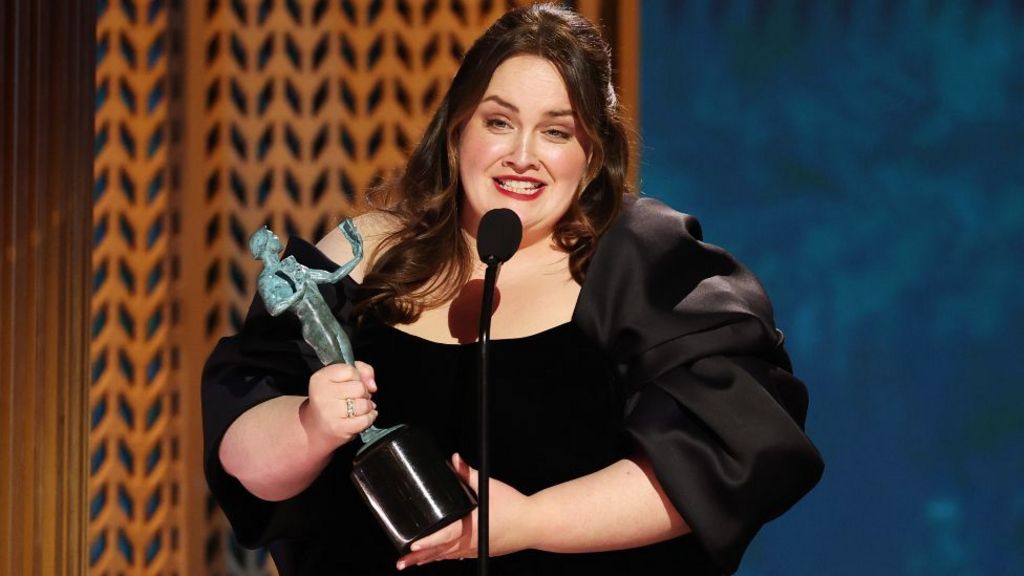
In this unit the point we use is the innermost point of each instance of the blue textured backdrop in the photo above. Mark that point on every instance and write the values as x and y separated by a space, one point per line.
866 159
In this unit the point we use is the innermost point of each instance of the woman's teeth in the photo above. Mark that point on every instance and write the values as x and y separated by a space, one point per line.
519 186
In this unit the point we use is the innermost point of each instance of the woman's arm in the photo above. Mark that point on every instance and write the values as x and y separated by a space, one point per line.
270 451
277 448
620 506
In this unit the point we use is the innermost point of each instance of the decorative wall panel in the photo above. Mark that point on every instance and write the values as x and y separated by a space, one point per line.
135 467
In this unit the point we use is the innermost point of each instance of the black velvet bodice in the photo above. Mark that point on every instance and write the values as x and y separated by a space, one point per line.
556 410
556 415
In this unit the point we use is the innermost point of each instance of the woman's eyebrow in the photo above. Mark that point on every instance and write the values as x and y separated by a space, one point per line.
501 102
506 104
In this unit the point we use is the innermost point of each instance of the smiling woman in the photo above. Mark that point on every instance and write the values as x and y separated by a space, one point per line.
544 66
644 416
521 149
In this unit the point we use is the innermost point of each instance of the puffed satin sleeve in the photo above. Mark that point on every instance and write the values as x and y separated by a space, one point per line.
266 359
712 401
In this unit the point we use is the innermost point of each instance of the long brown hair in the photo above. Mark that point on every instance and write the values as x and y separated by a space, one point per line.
427 259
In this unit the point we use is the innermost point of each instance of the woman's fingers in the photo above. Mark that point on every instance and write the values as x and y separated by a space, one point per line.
447 534
465 471
345 390
366 375
359 372
354 407
340 403
338 390
361 422
425 556
343 428
338 373
459 539
355 414
454 541
446 542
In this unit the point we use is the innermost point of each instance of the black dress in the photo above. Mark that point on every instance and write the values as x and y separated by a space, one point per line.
671 352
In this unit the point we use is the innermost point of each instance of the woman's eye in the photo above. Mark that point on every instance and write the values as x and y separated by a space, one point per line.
496 123
559 134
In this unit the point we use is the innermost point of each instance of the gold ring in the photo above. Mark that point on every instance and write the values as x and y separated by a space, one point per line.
350 407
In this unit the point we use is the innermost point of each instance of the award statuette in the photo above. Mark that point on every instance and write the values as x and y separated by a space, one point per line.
398 471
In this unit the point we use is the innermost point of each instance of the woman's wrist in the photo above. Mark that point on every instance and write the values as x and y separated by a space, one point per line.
539 523
319 444
534 519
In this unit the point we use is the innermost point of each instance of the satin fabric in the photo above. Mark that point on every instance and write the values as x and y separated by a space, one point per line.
712 402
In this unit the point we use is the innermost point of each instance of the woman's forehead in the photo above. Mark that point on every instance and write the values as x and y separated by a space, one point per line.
527 81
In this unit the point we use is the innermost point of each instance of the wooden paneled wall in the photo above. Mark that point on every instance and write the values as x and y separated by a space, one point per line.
46 135
214 117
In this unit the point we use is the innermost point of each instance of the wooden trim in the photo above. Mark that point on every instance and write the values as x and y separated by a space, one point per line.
627 73
193 213
46 137
627 56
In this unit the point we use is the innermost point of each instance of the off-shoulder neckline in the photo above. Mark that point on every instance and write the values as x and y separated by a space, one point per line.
353 285
538 335
499 341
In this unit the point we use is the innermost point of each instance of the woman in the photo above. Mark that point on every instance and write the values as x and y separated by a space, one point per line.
645 420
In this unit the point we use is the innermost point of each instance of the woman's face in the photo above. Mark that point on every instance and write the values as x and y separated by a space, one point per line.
522 148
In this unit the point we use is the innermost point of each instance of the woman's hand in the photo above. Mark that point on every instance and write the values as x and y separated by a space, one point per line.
512 519
339 405
277 448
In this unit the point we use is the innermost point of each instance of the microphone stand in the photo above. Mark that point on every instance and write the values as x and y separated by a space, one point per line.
484 472
498 238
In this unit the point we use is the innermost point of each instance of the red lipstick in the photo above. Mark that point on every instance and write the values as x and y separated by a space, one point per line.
527 195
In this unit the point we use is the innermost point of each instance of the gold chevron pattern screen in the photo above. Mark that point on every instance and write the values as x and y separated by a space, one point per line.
215 117
135 466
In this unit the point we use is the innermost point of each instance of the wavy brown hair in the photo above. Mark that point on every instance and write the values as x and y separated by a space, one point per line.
427 259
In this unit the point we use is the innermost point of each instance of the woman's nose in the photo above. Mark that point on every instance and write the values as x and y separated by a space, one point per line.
522 157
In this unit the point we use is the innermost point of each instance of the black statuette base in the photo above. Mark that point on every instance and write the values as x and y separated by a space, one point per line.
410 486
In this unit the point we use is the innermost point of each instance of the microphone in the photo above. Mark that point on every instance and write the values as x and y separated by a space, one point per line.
498 236
497 239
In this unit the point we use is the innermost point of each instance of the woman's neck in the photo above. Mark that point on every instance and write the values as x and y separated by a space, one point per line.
540 255
534 292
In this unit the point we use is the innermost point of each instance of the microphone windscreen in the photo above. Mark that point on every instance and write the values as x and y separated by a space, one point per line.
498 235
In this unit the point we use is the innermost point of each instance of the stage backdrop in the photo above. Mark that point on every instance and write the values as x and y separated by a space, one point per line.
213 118
866 159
